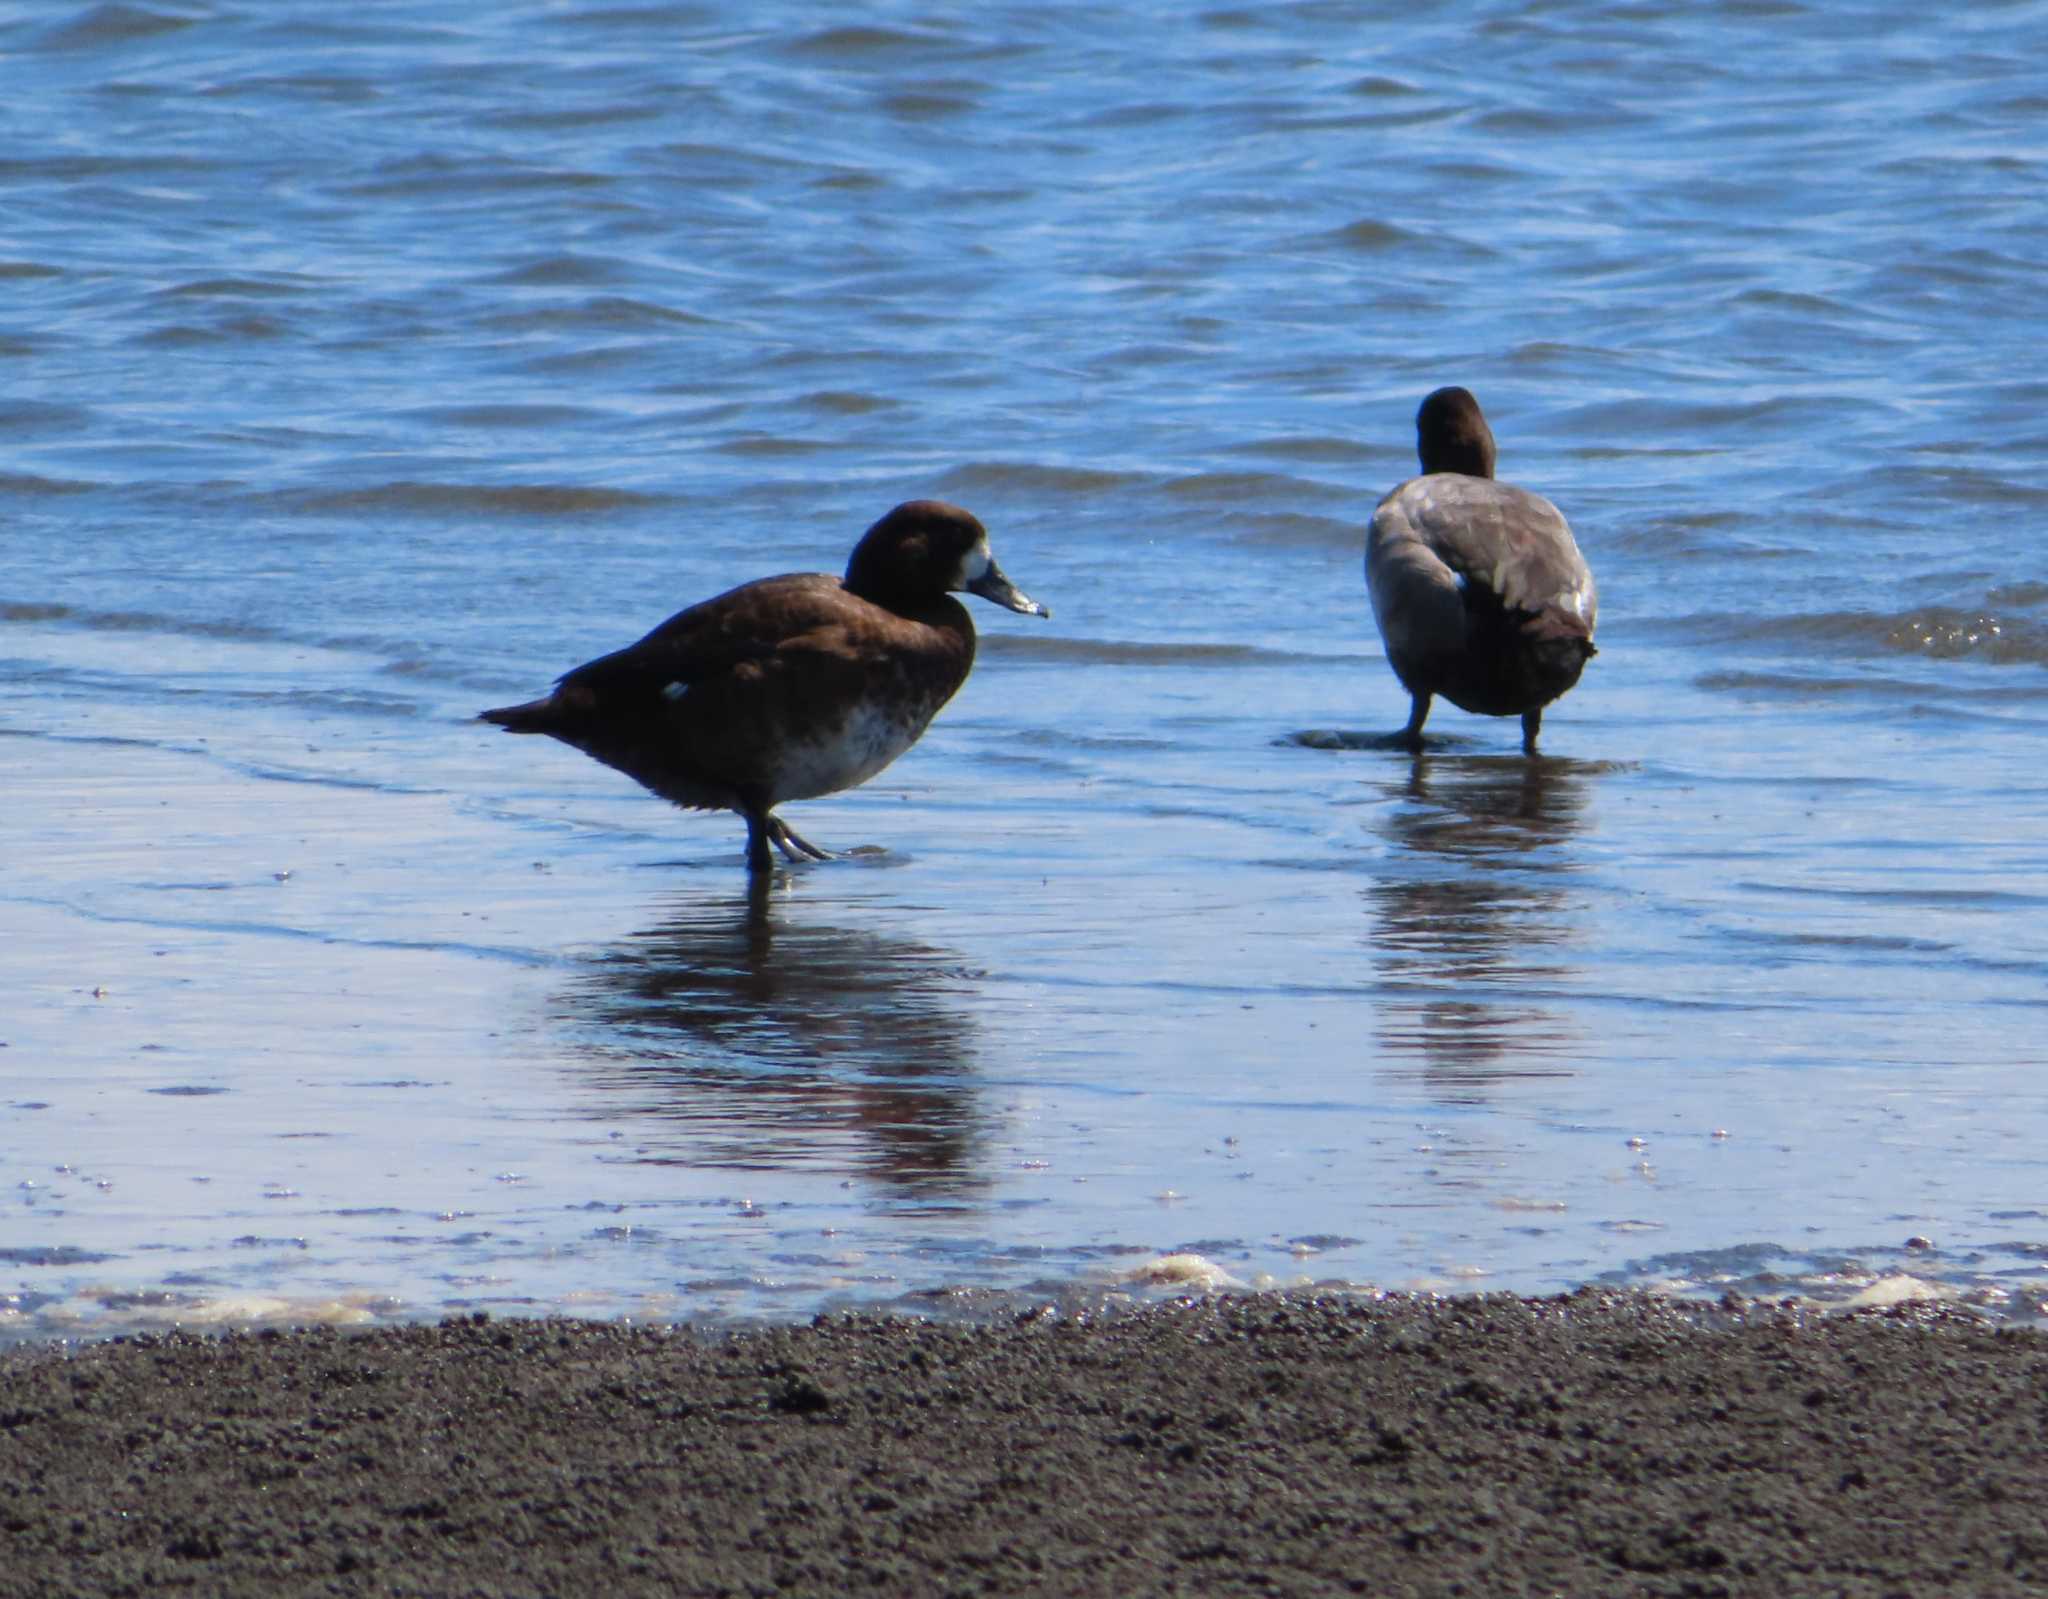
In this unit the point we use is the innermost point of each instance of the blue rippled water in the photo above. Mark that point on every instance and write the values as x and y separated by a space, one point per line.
367 367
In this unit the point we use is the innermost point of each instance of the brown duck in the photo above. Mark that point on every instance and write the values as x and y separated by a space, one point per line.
789 687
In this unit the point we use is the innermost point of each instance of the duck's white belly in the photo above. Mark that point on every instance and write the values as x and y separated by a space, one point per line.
866 741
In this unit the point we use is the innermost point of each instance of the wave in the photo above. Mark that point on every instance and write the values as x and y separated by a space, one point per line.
337 88
453 671
1241 488
28 483
846 402
36 418
1027 475
1647 416
437 178
866 43
1801 685
1946 635
566 270
229 330
1998 632
603 312
1111 652
1297 530
1320 448
508 415
234 289
104 25
107 689
448 499
775 444
1367 236
137 622
402 497
1941 485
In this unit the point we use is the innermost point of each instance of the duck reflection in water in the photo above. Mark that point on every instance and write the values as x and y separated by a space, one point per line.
1473 914
743 1033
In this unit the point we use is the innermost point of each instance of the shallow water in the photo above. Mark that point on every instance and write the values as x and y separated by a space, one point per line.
368 370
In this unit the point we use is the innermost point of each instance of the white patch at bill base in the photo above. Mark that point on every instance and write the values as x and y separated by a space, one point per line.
975 564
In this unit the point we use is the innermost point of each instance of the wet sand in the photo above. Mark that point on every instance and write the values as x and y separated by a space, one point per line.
1590 1444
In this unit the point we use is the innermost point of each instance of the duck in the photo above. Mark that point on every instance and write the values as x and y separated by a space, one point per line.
788 687
1479 589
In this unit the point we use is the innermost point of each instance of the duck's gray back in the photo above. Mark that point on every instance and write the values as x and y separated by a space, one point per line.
1433 535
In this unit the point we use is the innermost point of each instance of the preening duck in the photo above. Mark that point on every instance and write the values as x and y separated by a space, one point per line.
1479 590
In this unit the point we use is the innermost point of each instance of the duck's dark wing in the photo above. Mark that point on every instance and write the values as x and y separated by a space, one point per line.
709 641
780 688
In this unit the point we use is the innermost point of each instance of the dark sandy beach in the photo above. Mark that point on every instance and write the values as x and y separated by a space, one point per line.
1585 1445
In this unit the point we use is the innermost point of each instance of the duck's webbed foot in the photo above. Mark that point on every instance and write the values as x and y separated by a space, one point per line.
793 844
1532 721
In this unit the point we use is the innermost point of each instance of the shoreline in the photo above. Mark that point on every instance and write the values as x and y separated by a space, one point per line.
1594 1442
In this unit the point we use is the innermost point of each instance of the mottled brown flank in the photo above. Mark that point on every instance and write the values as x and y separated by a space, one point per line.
1592 1445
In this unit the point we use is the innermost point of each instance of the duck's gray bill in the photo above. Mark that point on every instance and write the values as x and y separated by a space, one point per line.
992 585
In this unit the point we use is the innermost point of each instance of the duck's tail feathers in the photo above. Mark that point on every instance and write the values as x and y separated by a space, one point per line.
535 716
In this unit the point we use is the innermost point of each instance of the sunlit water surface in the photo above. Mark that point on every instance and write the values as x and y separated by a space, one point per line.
369 367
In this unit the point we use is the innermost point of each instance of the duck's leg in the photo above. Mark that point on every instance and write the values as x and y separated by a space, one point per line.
758 858
789 841
1531 722
1410 737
